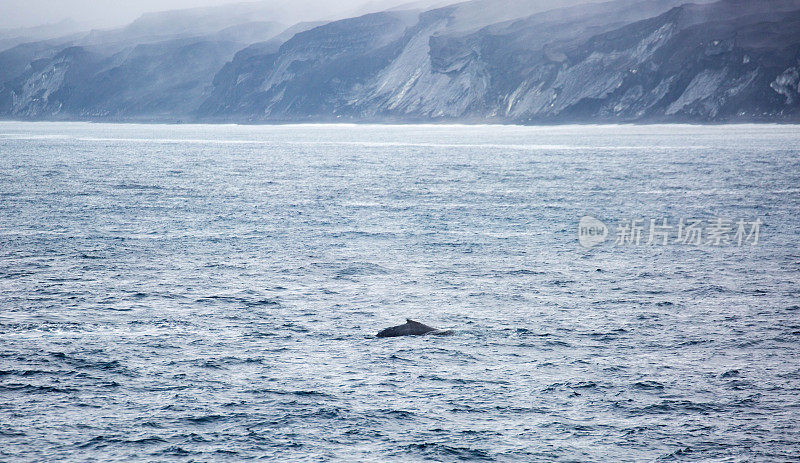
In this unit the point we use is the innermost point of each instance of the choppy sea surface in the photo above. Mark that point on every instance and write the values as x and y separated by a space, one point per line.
212 293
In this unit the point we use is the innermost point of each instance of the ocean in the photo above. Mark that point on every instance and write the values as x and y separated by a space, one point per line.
212 292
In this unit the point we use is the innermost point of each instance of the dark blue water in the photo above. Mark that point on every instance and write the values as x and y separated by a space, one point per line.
211 293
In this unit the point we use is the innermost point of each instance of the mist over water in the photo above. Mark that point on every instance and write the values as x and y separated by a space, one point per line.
211 293
112 13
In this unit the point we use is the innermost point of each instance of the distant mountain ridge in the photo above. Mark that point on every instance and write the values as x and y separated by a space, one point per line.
504 61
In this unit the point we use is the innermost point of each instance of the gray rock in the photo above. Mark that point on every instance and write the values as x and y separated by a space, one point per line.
621 61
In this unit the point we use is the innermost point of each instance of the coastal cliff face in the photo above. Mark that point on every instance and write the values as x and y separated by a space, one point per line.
486 60
161 80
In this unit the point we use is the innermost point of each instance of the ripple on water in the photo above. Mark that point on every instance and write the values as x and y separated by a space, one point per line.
218 299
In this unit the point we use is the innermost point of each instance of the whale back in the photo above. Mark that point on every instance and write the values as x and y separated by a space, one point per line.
409 328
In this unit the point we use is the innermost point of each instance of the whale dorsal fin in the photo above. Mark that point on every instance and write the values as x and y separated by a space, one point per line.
417 324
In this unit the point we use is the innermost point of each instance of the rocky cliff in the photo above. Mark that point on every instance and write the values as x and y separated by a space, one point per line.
486 60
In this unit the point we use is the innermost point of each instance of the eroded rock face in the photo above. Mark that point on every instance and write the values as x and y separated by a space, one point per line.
146 81
624 61
788 84
711 62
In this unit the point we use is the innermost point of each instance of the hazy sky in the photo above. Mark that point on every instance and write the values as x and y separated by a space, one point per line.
96 13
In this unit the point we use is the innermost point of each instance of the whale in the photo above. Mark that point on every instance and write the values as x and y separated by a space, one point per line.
410 328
